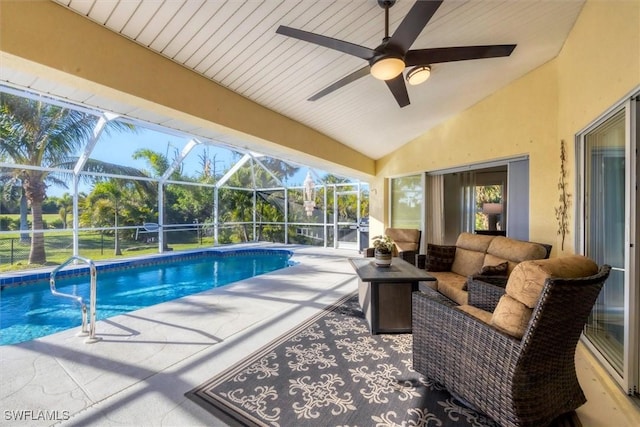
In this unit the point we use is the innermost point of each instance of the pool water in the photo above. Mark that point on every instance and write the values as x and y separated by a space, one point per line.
30 311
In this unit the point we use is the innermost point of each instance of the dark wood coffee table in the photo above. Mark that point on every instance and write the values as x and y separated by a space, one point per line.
385 293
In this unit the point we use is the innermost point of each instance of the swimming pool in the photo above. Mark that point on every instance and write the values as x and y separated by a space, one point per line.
31 311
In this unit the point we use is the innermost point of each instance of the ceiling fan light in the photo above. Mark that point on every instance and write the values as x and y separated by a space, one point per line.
387 68
418 75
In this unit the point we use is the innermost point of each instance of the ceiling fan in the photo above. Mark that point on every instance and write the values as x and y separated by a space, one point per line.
392 56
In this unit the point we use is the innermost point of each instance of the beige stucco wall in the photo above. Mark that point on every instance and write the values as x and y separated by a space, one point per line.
66 48
598 65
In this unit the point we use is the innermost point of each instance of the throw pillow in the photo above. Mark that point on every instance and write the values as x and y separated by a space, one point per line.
495 270
439 257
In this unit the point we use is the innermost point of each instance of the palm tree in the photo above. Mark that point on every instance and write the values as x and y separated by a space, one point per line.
35 133
237 205
24 222
117 202
65 203
114 192
158 162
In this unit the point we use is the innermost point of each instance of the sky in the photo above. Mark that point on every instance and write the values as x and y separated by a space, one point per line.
119 147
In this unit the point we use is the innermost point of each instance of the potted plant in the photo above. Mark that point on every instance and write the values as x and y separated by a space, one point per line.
383 250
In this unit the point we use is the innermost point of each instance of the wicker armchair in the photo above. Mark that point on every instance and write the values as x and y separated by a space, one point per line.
407 243
527 381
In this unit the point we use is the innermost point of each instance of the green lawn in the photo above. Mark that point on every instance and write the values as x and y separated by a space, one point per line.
14 255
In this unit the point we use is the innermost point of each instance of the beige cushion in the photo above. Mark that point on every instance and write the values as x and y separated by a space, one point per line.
513 312
530 276
474 242
483 316
405 239
451 285
470 253
503 249
406 246
511 316
515 250
467 262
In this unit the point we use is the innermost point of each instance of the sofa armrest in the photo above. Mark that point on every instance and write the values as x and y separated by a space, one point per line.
436 296
484 295
500 281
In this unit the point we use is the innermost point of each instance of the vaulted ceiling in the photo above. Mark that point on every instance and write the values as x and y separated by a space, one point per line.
235 44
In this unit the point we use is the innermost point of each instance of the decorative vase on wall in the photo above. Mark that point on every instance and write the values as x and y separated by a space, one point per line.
382 259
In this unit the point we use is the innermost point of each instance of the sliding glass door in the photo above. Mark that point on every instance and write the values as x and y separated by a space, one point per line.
604 232
486 198
607 232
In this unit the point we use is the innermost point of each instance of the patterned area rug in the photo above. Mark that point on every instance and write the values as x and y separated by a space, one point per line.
331 371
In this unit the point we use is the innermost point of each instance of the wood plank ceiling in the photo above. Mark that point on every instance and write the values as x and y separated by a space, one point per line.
234 43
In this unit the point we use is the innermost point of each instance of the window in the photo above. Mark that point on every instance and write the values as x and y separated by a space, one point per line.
489 208
489 213
407 194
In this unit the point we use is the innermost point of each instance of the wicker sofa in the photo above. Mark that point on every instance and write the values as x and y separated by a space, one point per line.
475 257
515 364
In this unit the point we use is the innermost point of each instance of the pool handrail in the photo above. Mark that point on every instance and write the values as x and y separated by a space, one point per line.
92 297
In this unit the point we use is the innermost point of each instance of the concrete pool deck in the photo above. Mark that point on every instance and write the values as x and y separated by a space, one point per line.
138 373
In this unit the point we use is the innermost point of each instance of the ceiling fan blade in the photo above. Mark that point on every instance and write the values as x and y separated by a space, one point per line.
399 90
335 44
364 71
450 54
413 24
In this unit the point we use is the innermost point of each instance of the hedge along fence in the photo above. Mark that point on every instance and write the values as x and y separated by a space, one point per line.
13 224
99 244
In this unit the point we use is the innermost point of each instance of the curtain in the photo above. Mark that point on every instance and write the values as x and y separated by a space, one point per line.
467 200
435 209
